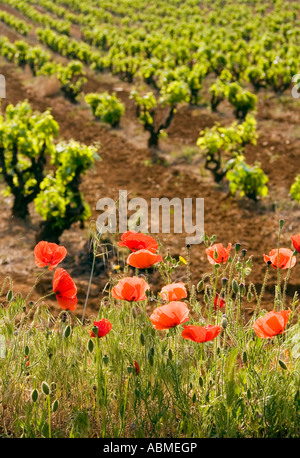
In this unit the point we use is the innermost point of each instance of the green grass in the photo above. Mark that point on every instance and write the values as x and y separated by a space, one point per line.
236 385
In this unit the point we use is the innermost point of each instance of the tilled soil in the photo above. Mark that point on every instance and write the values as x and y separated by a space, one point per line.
126 165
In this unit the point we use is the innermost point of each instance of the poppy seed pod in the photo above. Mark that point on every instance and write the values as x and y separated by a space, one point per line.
235 286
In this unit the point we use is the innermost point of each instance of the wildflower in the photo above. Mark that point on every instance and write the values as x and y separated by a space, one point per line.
271 324
65 290
130 289
49 254
217 254
173 292
219 302
143 259
170 315
138 241
285 260
104 326
200 333
136 366
182 260
296 242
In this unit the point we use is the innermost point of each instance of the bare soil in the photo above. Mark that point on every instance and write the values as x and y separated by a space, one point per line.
126 165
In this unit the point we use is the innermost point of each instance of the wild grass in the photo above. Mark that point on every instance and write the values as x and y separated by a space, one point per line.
58 381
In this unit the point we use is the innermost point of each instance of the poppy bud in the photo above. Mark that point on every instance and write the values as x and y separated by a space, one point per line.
249 296
224 281
224 322
245 357
67 331
27 350
235 286
55 405
201 381
194 398
200 285
281 223
45 388
242 289
151 360
95 330
105 359
206 298
34 395
216 255
142 339
9 295
90 345
282 364
152 351
129 370
170 354
237 247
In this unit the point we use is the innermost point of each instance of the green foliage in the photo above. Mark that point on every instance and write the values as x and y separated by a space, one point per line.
26 138
17 24
295 189
60 201
247 180
218 144
36 58
106 107
172 94
72 78
242 100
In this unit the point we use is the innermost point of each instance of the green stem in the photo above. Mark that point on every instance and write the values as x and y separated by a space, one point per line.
89 287
49 415
286 281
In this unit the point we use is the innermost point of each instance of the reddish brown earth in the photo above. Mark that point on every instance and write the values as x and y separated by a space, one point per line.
125 165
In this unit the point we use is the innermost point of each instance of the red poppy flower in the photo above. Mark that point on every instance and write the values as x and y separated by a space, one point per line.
296 242
218 303
65 289
286 258
104 326
138 241
49 254
271 324
137 367
173 292
170 315
201 333
143 259
130 289
222 253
